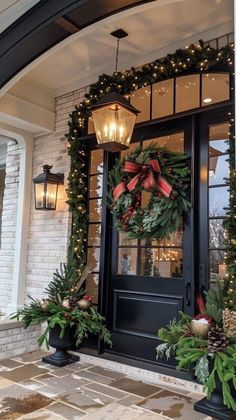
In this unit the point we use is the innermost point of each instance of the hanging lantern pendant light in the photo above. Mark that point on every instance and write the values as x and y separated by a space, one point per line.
113 116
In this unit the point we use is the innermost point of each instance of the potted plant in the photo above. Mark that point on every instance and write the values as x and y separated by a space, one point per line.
206 344
68 314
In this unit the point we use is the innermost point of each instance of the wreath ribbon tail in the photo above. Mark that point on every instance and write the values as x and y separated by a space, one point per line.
119 190
149 181
164 187
155 165
134 181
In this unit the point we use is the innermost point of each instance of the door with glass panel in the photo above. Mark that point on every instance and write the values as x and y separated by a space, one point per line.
214 146
150 280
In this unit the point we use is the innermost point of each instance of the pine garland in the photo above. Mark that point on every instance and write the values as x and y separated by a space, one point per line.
183 61
230 226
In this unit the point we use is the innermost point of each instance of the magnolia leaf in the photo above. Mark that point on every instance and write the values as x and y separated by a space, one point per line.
201 369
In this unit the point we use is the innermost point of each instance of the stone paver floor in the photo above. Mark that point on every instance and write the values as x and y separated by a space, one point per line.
30 389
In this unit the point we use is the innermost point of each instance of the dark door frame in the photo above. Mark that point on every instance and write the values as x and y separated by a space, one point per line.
148 131
203 121
192 149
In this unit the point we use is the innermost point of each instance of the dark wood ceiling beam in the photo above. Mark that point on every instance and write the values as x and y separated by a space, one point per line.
67 25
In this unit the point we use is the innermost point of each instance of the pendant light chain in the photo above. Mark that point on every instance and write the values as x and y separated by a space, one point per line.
117 55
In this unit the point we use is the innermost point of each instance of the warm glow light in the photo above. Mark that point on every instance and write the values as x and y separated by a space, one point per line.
114 118
207 100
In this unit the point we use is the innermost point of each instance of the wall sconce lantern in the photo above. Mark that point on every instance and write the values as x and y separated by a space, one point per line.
114 119
46 188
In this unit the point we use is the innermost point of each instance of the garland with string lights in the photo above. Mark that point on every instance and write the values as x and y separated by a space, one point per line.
193 58
230 226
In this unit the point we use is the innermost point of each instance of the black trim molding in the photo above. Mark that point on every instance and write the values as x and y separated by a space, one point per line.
48 23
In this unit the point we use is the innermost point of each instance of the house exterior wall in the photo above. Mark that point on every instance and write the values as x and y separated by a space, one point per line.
49 230
9 220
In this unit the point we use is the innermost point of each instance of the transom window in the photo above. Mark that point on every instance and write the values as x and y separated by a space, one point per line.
179 94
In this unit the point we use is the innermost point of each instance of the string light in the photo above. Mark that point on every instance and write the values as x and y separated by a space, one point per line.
200 56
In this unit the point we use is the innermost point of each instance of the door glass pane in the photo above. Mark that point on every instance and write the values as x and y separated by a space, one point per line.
161 262
93 259
95 210
219 136
127 260
217 265
96 161
218 169
173 142
163 98
215 88
95 186
94 234
218 201
187 92
175 239
217 233
123 240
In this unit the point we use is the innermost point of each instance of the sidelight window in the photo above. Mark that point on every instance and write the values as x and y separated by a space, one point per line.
95 216
218 198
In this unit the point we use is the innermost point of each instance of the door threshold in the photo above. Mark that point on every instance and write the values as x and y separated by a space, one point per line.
144 371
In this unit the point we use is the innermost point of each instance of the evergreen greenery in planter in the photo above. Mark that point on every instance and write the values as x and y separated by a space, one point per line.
66 307
210 351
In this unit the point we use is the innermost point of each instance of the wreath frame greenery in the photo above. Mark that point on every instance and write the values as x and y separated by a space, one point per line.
162 215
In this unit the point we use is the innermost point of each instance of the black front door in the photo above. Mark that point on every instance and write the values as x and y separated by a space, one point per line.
150 280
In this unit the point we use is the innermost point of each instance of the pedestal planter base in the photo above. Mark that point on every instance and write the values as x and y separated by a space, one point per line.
60 358
214 410
61 344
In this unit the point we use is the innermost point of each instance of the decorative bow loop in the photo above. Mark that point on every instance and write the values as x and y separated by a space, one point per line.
144 174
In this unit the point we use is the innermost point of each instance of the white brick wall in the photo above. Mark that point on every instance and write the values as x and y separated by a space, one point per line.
49 231
9 219
15 340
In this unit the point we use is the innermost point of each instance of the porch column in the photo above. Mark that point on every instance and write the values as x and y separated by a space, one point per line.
25 144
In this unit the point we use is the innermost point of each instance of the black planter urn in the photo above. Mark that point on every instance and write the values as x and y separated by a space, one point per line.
215 405
61 357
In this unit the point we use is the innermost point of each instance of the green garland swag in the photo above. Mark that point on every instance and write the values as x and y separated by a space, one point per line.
182 61
165 175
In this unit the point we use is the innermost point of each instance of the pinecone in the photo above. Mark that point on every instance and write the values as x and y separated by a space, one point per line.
217 340
73 302
229 322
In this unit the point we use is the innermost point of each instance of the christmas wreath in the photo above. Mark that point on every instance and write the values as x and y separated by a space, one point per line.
166 175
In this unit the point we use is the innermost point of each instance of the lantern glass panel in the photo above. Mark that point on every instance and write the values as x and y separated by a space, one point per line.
51 196
39 196
114 124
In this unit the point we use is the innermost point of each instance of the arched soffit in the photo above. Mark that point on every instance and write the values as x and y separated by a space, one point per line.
48 23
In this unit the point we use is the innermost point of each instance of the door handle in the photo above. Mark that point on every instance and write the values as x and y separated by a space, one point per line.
188 296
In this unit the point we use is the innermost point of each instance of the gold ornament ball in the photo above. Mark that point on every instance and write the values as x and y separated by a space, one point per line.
84 304
199 328
44 304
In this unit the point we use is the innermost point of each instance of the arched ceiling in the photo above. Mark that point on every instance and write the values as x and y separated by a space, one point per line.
155 29
47 24
75 48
